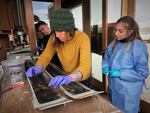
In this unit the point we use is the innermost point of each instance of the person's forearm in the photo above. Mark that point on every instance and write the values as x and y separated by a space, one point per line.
76 76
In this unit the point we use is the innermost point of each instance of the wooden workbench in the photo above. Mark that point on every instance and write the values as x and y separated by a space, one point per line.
20 101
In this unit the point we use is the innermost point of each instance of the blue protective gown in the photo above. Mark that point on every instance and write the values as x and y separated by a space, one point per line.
132 60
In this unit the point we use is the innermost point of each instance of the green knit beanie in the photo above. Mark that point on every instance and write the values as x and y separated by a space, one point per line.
61 20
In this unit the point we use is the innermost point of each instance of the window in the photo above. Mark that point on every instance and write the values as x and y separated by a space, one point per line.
40 9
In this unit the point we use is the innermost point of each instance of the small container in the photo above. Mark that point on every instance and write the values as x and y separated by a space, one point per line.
14 70
16 76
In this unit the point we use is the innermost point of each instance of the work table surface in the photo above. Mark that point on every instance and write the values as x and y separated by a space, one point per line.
20 101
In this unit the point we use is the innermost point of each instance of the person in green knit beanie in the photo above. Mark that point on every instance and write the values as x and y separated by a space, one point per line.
72 47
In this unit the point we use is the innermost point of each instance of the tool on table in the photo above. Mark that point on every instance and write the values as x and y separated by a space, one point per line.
13 86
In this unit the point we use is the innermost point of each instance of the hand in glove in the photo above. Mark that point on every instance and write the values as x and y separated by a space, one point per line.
34 70
115 73
105 70
38 49
60 80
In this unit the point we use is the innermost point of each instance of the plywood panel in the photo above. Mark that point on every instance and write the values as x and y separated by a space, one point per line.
30 23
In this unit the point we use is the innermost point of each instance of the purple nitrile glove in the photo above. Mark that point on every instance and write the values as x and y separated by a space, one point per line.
34 70
60 80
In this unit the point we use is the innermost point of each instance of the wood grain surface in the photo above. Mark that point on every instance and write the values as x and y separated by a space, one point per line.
20 101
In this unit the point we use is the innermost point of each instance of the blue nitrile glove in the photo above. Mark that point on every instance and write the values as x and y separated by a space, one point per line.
60 80
115 73
105 69
38 49
34 70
